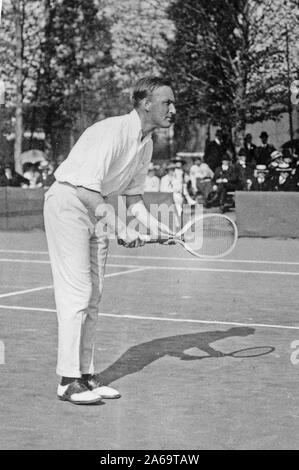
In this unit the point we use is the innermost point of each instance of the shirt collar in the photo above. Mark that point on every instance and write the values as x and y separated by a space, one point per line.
136 127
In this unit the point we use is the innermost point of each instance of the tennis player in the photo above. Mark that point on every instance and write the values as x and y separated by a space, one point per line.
111 157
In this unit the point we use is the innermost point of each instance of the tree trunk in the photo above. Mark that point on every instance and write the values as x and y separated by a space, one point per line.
240 121
18 14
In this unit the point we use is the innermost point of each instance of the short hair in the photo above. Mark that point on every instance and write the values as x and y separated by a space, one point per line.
144 87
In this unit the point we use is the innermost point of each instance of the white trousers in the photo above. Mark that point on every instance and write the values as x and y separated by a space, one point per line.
78 258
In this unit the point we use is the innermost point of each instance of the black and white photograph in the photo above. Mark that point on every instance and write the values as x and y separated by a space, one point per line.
149 227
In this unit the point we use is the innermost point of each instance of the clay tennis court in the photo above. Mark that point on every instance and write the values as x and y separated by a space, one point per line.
164 315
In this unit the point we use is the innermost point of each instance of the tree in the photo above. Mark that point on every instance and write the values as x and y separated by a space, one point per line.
76 73
228 60
137 42
20 40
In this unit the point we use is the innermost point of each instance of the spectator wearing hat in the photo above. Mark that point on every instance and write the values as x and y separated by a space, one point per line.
32 175
284 180
263 152
46 177
9 177
226 178
180 192
249 150
166 184
200 184
276 159
288 158
152 182
215 151
245 171
260 181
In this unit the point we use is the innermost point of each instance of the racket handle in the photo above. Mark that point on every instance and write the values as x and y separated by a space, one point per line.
148 239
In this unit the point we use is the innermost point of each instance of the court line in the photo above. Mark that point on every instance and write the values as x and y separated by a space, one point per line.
148 318
172 268
26 291
217 260
36 289
32 261
141 268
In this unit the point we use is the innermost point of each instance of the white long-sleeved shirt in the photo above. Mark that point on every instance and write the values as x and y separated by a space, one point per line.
152 184
110 157
166 185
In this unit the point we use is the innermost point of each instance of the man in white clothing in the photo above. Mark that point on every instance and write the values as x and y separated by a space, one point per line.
111 157
166 185
152 182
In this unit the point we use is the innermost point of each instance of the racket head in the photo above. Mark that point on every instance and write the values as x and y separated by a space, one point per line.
209 236
252 352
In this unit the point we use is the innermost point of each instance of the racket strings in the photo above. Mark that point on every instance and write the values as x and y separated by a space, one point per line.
210 236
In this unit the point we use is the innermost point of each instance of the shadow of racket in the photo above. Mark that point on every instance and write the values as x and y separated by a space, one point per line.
251 352
257 351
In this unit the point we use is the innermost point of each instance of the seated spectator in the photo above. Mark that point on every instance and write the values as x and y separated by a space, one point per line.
260 181
31 174
263 153
288 157
226 178
9 177
246 172
249 150
193 174
166 185
200 184
152 182
46 177
284 180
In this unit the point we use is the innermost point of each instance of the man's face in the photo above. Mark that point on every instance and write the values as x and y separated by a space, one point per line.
225 165
248 139
264 140
161 107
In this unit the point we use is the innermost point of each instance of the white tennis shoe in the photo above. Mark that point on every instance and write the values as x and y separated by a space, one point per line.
100 390
78 393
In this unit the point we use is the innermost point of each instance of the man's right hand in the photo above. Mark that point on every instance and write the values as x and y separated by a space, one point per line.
130 239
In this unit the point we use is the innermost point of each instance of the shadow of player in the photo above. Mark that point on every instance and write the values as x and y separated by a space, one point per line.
139 356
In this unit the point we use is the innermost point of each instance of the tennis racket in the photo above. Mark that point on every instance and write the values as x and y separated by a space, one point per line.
207 236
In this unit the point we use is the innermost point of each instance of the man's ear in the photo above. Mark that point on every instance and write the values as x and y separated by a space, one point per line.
147 104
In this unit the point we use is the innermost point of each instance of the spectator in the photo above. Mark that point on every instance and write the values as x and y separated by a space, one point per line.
276 159
31 174
9 177
288 158
152 182
226 178
215 151
246 172
193 172
180 192
284 180
263 153
166 185
260 181
46 177
249 150
201 177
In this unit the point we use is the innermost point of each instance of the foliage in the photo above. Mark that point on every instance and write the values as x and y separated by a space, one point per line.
228 59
